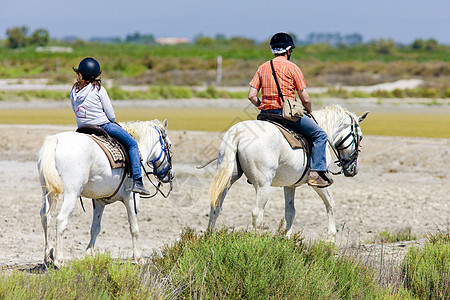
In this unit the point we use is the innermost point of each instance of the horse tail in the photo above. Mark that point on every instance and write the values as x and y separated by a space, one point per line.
225 164
48 173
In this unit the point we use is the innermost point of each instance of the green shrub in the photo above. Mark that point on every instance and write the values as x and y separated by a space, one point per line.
116 93
397 236
246 265
382 94
359 94
97 277
210 93
427 271
398 93
338 93
439 236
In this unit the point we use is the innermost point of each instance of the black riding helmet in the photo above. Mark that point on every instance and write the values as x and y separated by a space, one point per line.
89 68
281 42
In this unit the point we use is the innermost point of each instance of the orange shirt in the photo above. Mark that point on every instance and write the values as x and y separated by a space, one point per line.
290 78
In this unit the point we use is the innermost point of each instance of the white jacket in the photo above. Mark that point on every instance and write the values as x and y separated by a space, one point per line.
92 106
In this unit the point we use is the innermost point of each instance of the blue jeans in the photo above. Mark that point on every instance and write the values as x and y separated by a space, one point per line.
314 134
129 143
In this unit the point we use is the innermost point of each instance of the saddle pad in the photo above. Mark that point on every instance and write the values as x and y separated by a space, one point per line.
295 140
290 138
114 153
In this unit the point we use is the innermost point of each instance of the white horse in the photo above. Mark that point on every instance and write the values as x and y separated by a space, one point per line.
71 164
259 150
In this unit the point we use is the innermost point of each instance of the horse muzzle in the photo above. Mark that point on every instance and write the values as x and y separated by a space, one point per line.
167 177
350 169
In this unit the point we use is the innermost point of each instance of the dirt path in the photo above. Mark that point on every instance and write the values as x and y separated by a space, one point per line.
403 184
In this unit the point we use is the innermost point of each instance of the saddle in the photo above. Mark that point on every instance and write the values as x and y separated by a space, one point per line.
114 150
295 140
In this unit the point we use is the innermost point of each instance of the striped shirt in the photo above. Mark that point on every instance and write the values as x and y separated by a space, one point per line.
289 76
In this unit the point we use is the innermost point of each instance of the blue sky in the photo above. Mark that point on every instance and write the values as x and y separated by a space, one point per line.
402 20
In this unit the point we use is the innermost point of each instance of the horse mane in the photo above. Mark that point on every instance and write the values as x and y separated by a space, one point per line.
140 129
332 117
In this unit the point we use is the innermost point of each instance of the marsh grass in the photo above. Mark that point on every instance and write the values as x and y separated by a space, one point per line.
427 270
205 119
386 236
220 119
232 264
408 124
245 265
98 277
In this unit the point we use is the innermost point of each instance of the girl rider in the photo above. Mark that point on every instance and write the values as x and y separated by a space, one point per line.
92 106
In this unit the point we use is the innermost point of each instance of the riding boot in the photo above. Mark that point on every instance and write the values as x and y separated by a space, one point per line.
319 179
138 187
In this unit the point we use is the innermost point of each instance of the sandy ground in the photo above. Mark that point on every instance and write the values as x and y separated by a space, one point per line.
403 184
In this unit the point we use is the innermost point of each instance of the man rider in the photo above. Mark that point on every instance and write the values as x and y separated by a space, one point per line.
290 79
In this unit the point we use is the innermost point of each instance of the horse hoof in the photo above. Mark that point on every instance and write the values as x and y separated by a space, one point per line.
89 252
140 261
49 257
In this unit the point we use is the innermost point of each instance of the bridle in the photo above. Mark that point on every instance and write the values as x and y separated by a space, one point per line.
347 164
164 157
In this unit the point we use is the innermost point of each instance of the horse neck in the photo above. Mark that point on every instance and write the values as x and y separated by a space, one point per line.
152 147
330 122
147 137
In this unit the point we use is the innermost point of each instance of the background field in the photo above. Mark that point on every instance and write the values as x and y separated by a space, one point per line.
420 124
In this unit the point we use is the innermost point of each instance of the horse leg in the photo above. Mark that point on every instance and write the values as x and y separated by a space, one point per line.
134 228
45 219
289 209
324 193
67 208
262 195
99 207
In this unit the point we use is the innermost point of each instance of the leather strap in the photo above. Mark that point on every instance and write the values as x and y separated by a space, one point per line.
276 81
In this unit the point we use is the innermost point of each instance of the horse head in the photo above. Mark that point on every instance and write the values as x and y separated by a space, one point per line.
155 147
346 143
160 159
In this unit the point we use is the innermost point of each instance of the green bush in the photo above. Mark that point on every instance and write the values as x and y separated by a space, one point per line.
246 265
398 93
359 94
397 236
427 271
97 277
382 94
439 236
338 93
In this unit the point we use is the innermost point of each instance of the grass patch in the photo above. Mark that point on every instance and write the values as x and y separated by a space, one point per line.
244 265
231 264
205 119
427 271
98 277
407 124
386 236
221 119
116 93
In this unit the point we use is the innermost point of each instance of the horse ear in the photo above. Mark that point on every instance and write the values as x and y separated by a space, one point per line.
165 123
363 116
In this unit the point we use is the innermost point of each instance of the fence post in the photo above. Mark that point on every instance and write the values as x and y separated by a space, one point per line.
219 70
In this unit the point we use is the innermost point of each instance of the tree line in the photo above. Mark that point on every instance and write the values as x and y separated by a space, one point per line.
18 37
